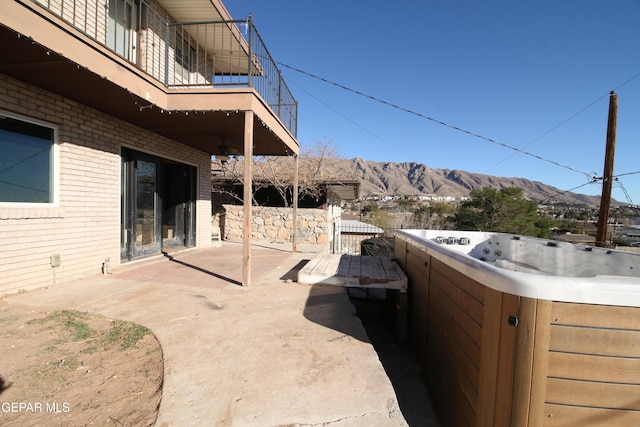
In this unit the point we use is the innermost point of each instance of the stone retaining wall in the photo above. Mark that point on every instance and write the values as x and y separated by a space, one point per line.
275 225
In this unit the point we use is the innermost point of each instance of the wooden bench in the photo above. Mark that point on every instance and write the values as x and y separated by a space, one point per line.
360 271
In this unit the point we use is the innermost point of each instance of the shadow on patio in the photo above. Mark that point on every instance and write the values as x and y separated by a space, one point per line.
202 270
215 267
330 306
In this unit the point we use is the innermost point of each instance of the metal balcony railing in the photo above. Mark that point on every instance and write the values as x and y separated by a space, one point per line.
218 54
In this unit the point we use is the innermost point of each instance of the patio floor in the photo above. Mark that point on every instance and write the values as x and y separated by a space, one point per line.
276 353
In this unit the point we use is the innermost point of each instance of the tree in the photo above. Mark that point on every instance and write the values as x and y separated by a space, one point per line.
318 164
321 163
370 208
380 218
406 204
436 215
504 211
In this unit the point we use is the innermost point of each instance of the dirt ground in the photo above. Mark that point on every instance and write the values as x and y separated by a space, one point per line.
75 369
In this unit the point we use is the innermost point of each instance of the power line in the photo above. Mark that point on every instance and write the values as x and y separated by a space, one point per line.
615 89
624 190
560 193
592 176
592 179
395 146
567 120
440 122
626 174
551 130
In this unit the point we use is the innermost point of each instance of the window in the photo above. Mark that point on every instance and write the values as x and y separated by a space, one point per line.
26 160
122 26
184 59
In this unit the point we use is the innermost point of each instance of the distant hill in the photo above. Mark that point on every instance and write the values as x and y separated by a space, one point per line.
410 178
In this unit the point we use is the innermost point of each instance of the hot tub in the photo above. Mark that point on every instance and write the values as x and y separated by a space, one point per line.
514 330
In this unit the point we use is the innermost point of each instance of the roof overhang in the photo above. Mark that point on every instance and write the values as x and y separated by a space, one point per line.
347 190
194 10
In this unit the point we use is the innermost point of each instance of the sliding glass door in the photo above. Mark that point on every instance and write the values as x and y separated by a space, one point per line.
157 205
178 214
141 205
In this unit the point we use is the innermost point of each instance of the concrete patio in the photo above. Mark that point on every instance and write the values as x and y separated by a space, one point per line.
277 353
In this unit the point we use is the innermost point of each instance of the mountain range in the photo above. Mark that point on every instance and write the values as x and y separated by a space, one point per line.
410 178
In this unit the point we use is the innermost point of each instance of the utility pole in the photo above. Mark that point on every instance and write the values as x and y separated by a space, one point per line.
607 177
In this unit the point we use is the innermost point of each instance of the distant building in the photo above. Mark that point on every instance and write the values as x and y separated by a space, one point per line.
630 235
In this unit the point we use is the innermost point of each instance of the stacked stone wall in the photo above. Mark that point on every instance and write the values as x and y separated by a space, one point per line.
275 225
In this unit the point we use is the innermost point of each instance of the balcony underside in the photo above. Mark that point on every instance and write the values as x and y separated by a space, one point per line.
47 54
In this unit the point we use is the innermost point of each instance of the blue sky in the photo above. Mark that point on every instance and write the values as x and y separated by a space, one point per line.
530 75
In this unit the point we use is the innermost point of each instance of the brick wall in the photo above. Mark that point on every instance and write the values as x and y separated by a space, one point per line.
84 227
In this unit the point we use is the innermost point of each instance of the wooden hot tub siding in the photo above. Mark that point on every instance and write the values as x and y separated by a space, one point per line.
563 364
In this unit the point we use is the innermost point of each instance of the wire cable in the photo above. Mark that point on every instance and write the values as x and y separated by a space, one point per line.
440 122
550 130
592 179
566 120
394 146
624 190
626 174
560 193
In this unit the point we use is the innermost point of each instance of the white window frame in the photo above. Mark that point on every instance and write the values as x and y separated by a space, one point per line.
54 161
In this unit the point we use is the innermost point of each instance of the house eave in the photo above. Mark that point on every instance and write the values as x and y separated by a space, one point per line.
347 190
194 10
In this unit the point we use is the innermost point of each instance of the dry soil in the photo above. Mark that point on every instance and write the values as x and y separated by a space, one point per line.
76 369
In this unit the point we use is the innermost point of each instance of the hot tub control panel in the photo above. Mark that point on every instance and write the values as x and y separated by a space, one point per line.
452 240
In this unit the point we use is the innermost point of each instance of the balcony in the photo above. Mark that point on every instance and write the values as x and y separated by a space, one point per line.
198 57
148 62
